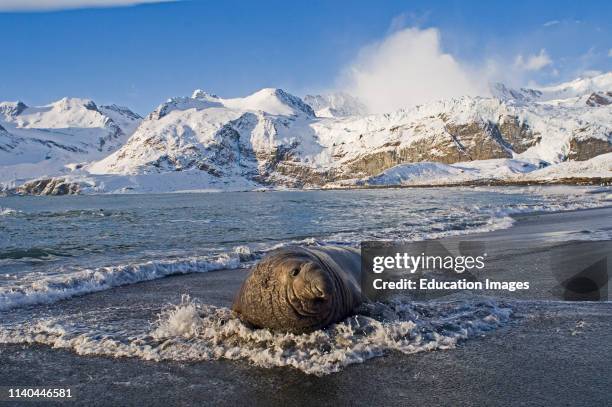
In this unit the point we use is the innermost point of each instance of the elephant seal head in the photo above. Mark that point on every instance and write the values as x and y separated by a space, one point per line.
293 290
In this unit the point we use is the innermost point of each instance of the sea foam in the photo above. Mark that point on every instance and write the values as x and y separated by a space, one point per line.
8 211
191 331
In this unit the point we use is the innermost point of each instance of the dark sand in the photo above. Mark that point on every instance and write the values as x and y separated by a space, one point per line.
552 353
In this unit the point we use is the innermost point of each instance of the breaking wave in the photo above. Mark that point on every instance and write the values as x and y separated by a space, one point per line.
45 290
191 331
8 211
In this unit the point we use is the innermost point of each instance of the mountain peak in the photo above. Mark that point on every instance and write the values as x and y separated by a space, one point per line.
12 108
70 103
582 86
199 100
505 93
274 101
200 94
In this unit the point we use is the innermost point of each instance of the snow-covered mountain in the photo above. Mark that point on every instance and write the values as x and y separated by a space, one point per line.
222 139
43 140
336 105
579 88
273 138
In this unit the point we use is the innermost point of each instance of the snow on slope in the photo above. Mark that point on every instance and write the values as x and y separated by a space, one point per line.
42 140
336 105
272 101
599 166
123 117
431 173
578 87
185 181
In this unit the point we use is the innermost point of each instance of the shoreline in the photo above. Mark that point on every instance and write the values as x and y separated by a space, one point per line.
495 182
488 182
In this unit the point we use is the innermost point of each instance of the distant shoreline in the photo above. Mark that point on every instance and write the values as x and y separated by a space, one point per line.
493 182
74 189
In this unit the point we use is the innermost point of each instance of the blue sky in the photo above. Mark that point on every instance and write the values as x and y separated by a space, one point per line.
139 56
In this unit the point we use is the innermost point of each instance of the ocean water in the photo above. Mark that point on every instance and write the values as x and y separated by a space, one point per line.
56 248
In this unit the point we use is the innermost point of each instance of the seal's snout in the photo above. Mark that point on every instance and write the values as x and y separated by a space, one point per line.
311 283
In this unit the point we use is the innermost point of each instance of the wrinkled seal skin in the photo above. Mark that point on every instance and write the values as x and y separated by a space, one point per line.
301 289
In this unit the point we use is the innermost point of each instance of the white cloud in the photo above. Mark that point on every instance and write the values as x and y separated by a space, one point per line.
408 68
551 23
43 5
610 52
533 62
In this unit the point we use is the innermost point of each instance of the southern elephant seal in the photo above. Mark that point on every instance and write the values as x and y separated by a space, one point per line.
300 289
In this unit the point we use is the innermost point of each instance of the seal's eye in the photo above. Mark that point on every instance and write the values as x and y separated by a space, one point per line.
295 271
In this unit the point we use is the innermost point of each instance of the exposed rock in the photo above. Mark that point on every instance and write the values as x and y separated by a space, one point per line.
7 141
295 175
121 110
12 109
477 141
294 102
517 134
599 99
585 149
460 142
49 186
